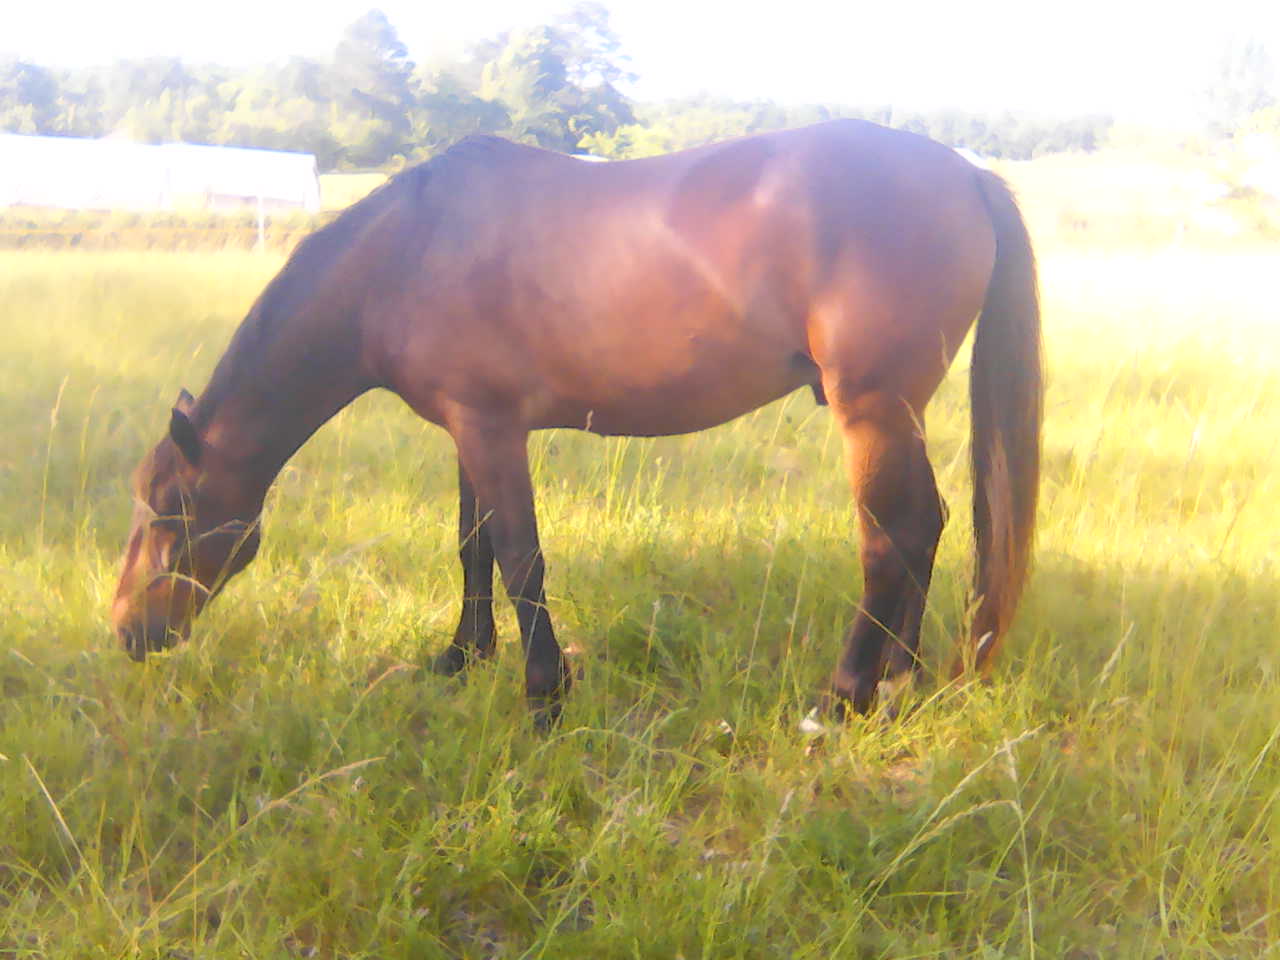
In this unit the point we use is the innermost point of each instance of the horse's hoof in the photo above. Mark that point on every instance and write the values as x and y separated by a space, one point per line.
894 697
848 695
889 700
546 714
450 662
834 707
546 701
458 656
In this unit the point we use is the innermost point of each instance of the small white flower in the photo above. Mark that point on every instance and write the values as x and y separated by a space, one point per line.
810 725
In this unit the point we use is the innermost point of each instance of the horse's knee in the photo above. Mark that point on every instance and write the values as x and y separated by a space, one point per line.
883 560
890 554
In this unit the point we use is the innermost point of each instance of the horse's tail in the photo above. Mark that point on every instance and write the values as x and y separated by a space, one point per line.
1007 395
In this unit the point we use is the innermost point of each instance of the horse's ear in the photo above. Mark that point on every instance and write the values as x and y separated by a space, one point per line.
184 435
185 402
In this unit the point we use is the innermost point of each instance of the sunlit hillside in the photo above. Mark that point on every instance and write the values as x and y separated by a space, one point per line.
1147 197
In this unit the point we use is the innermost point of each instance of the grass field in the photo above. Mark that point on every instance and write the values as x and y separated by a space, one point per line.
288 784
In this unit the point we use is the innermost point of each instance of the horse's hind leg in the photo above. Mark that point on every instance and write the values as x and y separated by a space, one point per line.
901 519
903 657
475 636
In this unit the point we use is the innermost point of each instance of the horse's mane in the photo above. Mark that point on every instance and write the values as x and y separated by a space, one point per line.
312 258
320 249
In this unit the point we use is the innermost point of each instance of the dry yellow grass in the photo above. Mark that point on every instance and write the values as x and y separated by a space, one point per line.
1141 198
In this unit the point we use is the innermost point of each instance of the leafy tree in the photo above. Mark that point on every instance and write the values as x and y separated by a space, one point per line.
286 108
529 74
556 81
528 77
591 51
1242 86
448 110
79 107
28 98
558 85
143 98
372 90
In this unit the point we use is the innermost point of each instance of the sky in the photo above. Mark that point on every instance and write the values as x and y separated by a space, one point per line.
1141 60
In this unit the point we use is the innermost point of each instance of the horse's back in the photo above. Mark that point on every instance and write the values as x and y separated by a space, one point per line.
672 293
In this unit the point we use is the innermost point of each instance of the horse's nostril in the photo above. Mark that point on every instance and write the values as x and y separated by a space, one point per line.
134 644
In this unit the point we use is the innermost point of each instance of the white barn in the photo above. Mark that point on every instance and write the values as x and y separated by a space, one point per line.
117 175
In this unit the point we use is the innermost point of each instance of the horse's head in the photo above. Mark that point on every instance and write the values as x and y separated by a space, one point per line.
193 528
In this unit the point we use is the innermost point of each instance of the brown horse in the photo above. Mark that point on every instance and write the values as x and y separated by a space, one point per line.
500 289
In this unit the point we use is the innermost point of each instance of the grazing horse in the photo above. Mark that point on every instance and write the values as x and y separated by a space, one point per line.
500 289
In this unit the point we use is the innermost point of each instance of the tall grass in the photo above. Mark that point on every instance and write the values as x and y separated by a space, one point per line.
288 784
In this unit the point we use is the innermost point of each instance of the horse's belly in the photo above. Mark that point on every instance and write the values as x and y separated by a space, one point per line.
684 401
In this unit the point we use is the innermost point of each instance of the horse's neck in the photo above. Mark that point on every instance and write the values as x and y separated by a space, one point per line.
272 390
299 357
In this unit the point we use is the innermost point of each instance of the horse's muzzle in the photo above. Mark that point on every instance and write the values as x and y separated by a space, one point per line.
134 643
141 639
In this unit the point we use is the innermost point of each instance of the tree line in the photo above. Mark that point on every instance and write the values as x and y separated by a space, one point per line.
369 106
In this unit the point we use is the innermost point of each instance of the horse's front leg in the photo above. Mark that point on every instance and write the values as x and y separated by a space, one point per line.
493 453
475 637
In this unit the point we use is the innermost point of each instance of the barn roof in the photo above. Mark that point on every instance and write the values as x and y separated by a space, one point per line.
117 174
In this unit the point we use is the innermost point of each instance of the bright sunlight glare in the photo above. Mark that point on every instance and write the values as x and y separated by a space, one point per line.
1144 60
